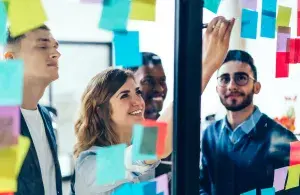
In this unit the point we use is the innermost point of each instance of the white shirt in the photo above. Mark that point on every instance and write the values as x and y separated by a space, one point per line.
37 131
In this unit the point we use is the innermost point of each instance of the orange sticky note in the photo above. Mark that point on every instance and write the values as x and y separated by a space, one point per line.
294 153
143 10
162 134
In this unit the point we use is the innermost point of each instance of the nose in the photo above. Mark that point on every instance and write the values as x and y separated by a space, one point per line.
55 54
158 88
232 86
137 100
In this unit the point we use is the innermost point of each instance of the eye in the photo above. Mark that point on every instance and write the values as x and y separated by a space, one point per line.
43 47
147 81
242 77
225 79
138 92
124 96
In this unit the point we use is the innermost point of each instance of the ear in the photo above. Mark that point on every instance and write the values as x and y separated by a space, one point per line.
257 87
8 55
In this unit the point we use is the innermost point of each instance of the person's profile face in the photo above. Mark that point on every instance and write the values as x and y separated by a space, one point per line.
236 85
152 81
39 51
127 105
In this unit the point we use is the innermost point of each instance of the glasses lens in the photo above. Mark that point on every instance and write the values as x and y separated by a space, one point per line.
223 80
241 79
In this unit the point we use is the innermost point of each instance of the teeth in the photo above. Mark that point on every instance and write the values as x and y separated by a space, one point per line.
136 112
157 98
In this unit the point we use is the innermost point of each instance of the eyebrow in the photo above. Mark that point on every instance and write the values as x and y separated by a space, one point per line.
47 40
127 91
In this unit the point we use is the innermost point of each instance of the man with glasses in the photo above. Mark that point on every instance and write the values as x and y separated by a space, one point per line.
241 151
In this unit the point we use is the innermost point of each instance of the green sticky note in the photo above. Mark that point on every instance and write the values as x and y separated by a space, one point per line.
110 164
293 177
25 15
11 82
212 5
143 10
148 145
284 16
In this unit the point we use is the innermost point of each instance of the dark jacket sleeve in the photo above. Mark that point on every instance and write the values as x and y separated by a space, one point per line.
204 173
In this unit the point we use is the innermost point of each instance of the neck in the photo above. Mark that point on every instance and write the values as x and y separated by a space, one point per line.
125 135
236 118
32 93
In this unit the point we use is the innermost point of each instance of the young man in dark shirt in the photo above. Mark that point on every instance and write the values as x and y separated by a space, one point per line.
241 152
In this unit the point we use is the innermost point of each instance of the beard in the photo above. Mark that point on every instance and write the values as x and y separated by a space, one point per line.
234 106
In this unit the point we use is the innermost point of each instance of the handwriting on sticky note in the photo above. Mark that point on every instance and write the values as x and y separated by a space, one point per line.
138 134
212 5
284 33
162 184
14 155
268 191
3 20
282 65
252 192
143 10
279 178
110 164
294 153
284 16
25 15
249 24
293 177
249 4
115 15
11 82
127 49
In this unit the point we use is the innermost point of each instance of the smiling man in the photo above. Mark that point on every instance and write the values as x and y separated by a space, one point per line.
40 173
241 151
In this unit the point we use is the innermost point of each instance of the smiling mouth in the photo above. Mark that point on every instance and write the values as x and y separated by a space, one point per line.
136 113
53 65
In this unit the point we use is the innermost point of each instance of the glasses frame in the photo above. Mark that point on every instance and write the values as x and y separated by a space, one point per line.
249 77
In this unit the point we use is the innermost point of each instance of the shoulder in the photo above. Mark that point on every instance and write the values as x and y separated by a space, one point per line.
213 129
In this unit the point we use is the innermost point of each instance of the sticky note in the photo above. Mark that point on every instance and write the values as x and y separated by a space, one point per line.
3 20
297 50
283 34
294 153
162 134
268 18
298 19
280 178
127 49
138 131
212 5
9 184
292 51
110 164
249 24
150 188
149 139
143 10
162 184
284 16
9 125
11 82
249 4
268 191
293 177
252 192
7 193
115 15
282 65
123 189
25 15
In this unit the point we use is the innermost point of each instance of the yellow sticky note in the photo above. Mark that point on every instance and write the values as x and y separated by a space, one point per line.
19 152
284 16
143 10
25 15
293 177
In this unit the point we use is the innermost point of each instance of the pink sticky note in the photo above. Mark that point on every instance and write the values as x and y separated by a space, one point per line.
295 153
284 33
162 184
249 4
298 19
282 65
9 125
279 178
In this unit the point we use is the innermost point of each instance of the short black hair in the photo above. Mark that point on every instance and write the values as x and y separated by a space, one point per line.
242 56
147 59
12 40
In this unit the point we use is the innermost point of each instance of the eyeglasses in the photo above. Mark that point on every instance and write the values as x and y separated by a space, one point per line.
240 78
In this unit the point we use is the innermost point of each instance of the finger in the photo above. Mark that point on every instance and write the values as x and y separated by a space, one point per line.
212 24
229 29
223 28
217 27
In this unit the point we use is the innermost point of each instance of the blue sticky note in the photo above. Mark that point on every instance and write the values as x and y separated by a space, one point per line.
138 131
268 191
161 193
268 18
249 24
115 15
252 192
11 82
110 164
3 20
150 188
123 189
127 49
212 5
